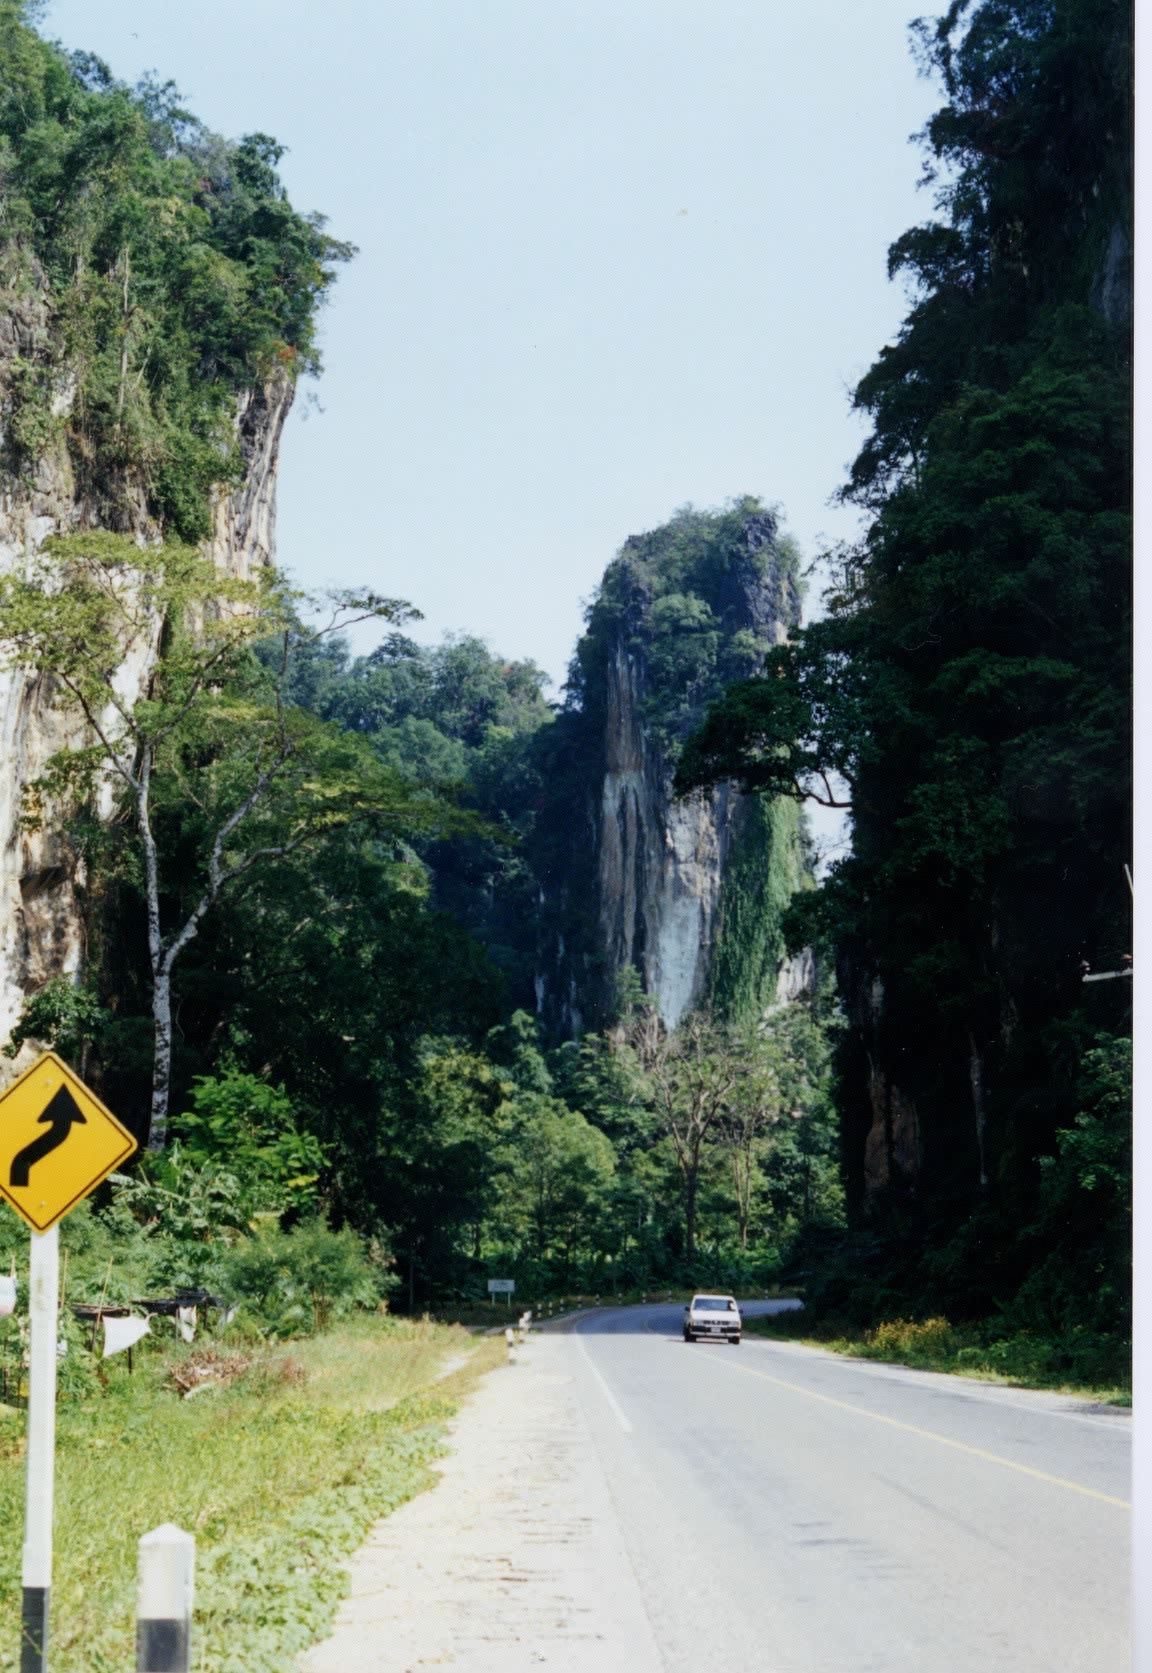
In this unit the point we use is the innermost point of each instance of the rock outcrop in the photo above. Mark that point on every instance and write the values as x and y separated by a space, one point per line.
646 884
661 861
41 879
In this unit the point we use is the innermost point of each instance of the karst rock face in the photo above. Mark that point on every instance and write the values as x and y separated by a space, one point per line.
661 861
41 879
647 882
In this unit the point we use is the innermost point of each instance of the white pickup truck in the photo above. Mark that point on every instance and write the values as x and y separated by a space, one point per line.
712 1318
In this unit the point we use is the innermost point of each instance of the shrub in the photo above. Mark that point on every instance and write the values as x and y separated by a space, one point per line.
927 1339
241 1124
301 1280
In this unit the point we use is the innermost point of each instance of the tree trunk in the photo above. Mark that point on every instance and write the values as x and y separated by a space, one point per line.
690 1181
161 1058
742 1176
126 272
161 967
976 1076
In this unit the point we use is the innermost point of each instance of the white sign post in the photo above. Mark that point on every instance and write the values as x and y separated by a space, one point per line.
500 1286
36 1567
57 1142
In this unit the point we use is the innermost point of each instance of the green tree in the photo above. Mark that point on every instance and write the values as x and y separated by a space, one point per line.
689 1075
968 690
210 726
1079 1245
553 1188
447 1139
462 720
177 286
67 1018
746 1128
300 1280
242 1123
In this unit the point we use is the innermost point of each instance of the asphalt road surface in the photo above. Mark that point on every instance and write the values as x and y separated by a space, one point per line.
786 1511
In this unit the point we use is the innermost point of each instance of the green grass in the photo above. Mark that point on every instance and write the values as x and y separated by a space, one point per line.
1080 1366
279 1476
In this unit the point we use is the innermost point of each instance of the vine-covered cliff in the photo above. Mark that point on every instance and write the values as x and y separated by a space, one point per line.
687 892
157 301
970 687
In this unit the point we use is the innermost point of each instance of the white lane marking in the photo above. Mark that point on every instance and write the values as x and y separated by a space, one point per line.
608 1394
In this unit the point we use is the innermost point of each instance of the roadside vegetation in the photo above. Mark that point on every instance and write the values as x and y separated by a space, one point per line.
968 692
990 1350
279 1466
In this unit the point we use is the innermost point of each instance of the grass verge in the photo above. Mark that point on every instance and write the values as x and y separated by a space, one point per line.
279 1475
1022 1360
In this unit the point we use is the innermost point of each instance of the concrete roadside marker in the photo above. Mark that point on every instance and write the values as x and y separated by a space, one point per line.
165 1575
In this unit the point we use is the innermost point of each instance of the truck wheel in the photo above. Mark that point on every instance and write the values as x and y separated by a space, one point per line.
735 1341
688 1337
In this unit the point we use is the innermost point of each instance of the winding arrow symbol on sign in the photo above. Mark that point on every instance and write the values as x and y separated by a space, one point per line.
63 1113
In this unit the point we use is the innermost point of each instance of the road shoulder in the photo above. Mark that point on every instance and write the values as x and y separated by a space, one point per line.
514 1560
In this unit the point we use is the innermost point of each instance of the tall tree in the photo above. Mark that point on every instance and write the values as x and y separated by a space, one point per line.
263 777
755 1107
689 1074
969 685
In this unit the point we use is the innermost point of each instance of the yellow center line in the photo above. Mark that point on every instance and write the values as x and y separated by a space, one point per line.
932 1435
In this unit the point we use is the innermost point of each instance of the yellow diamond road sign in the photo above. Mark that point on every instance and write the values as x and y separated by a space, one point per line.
57 1142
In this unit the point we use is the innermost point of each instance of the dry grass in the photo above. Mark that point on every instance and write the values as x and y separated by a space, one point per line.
208 1365
373 1363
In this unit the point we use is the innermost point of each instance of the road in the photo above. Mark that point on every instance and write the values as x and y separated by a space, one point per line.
617 1501
787 1511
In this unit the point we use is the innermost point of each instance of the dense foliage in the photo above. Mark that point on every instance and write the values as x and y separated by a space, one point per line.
970 683
456 719
209 746
695 604
155 272
343 1042
363 1105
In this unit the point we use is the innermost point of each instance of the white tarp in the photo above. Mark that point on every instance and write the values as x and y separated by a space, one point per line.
186 1322
121 1333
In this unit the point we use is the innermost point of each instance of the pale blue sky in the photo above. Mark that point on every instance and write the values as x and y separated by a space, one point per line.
615 255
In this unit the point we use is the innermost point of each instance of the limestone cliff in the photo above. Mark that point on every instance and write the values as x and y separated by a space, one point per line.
158 300
660 861
41 881
688 893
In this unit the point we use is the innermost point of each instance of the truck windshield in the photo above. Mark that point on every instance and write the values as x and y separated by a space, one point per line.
713 1304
